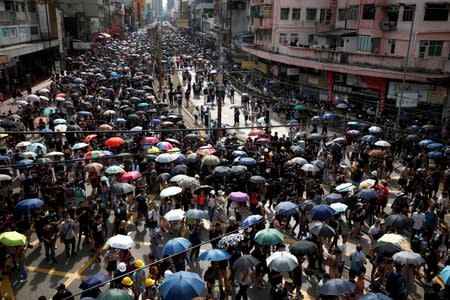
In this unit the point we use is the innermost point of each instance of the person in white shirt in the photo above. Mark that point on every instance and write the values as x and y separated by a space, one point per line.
375 231
418 218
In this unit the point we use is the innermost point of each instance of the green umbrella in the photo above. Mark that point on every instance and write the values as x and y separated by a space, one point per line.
299 107
49 110
269 236
114 294
13 239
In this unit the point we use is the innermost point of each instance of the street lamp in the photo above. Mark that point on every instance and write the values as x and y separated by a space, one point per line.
405 68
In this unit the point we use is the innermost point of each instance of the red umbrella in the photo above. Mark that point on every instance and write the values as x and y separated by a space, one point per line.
114 142
206 150
90 138
149 140
257 132
132 175
263 140
62 95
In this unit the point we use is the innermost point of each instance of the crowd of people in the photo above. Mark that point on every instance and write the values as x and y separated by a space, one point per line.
100 147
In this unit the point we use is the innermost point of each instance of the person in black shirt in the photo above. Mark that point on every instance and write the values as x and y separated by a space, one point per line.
97 237
62 293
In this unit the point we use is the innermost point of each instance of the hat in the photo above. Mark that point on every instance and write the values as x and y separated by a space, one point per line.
127 281
266 150
232 219
212 192
220 192
122 267
139 263
167 273
149 282
61 286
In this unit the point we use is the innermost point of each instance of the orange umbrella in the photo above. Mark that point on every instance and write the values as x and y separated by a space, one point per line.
62 95
114 142
90 138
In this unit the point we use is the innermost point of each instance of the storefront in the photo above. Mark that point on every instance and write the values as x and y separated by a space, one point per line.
360 91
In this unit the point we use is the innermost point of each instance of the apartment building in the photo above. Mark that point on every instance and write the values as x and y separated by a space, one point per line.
364 51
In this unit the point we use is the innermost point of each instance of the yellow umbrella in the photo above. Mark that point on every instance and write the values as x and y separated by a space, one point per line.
153 150
396 239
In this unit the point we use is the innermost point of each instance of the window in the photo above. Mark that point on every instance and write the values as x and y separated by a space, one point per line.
325 15
34 30
311 38
353 12
294 39
369 12
364 43
392 43
311 14
9 6
266 10
436 12
296 14
283 39
408 13
435 48
342 14
284 14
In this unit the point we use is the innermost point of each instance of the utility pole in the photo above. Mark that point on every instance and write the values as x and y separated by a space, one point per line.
220 90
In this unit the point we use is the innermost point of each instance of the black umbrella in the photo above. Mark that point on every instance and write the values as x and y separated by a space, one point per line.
412 138
191 137
321 229
238 170
163 177
385 249
336 287
306 205
192 158
179 169
133 118
205 188
257 179
398 221
303 247
222 171
297 150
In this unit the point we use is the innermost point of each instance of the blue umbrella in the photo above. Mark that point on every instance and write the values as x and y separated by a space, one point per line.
369 138
425 143
143 105
95 280
120 121
214 255
27 204
250 220
247 161
445 275
239 153
375 296
114 74
181 286
353 123
197 214
175 246
328 117
3 158
84 113
293 122
24 163
333 198
155 122
367 194
413 128
435 154
45 130
79 146
59 121
435 146
286 208
322 212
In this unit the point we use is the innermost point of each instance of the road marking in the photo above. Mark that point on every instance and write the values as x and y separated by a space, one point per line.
77 274
55 272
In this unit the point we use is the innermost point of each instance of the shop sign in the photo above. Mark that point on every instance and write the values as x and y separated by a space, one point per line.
9 33
437 94
292 71
408 99
395 87
356 91
262 67
247 64
183 23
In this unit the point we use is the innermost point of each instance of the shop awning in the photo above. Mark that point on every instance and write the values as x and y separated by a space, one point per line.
335 33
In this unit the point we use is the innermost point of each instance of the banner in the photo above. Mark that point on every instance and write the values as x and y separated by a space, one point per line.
247 64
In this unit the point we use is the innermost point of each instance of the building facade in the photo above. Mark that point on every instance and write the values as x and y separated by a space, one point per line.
363 51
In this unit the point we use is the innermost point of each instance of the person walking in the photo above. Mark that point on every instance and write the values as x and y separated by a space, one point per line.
244 278
49 236
67 234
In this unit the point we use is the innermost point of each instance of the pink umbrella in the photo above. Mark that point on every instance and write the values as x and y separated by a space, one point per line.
150 140
164 146
263 140
131 176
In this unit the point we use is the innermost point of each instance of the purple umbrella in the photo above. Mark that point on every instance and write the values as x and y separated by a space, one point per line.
238 197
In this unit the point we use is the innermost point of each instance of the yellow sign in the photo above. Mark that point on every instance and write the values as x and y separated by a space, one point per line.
182 22
247 64
262 67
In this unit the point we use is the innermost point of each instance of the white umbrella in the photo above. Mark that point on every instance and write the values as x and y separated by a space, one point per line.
43 98
281 261
54 153
170 191
178 177
340 140
61 128
339 207
28 154
44 91
382 143
60 99
375 129
23 144
408 258
310 168
299 161
366 184
33 97
4 177
121 241
174 215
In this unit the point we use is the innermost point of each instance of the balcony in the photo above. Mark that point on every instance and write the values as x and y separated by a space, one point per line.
261 2
415 64
262 23
388 26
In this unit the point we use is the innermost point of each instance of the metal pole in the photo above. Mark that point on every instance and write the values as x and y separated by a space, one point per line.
52 65
405 68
